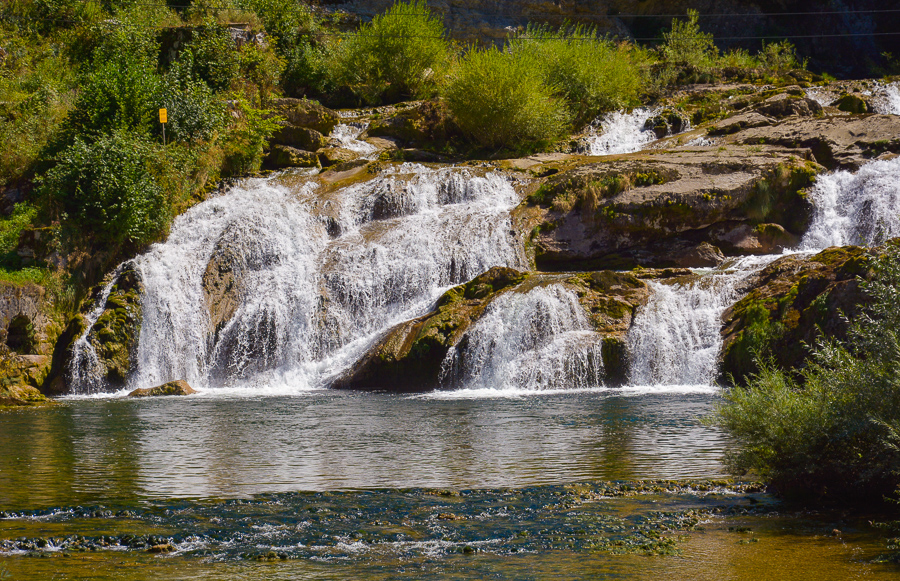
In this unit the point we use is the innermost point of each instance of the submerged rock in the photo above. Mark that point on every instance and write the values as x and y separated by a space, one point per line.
179 387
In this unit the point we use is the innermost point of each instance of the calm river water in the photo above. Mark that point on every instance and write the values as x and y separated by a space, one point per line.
367 486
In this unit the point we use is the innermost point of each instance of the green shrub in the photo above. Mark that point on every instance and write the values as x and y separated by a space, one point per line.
104 192
194 111
779 57
288 23
838 434
401 53
213 56
500 100
687 46
593 74
246 140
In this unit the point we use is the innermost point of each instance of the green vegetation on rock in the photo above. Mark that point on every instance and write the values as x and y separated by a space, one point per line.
834 432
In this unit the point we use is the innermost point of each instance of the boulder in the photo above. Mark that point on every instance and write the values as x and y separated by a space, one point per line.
647 209
789 305
787 105
20 395
299 137
329 156
179 387
427 123
306 113
667 122
283 156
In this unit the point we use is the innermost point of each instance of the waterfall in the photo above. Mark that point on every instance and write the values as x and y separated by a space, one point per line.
620 132
856 208
887 102
539 339
346 135
85 368
316 276
676 337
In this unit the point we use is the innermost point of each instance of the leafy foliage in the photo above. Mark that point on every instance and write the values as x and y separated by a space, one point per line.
401 53
591 73
104 190
838 433
501 100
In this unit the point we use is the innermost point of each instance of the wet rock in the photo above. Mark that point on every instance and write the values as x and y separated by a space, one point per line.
282 156
667 122
426 123
19 395
703 255
179 387
786 105
789 305
330 156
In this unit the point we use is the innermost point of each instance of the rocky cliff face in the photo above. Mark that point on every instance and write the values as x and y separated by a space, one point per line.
493 20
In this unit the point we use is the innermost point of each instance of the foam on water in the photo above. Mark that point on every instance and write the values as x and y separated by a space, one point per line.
346 135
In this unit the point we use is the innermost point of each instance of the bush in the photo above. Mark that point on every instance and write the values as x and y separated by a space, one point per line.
247 139
213 56
194 111
838 433
687 46
105 194
592 74
501 100
401 53
779 57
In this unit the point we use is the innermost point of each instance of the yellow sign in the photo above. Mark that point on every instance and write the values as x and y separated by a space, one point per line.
163 118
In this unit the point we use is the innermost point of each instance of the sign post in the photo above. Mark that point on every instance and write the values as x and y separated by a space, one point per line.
163 119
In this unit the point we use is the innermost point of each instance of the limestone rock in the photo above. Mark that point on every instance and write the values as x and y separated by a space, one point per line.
646 209
299 137
179 387
329 156
428 122
282 156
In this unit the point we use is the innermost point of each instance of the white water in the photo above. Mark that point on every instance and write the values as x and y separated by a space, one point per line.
310 303
887 99
535 340
620 132
325 274
676 337
346 135
856 208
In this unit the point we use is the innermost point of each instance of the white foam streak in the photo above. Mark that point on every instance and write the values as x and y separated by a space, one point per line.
620 132
346 135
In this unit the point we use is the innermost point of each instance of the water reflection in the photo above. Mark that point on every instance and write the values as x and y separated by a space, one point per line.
107 450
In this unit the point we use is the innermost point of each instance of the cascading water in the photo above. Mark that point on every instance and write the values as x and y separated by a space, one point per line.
318 276
532 340
346 135
856 208
675 339
887 102
620 132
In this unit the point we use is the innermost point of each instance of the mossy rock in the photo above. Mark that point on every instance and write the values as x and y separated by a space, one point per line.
852 103
792 303
306 113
